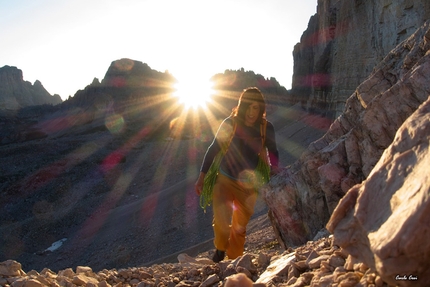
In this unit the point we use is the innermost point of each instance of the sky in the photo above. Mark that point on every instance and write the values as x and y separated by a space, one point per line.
65 44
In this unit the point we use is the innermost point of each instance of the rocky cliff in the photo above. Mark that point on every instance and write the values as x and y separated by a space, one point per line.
303 197
384 220
344 42
16 93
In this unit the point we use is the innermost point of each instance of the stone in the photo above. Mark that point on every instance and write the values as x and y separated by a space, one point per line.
301 265
293 271
245 262
32 273
383 221
325 267
302 281
44 280
238 280
184 258
33 283
81 279
338 272
193 272
63 280
210 281
316 262
103 284
349 279
68 272
183 283
243 270
279 266
10 268
292 281
311 257
150 284
83 269
46 271
263 259
144 275
19 282
229 270
325 281
336 261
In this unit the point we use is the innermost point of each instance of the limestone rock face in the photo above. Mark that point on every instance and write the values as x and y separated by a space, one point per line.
384 220
16 93
344 42
304 195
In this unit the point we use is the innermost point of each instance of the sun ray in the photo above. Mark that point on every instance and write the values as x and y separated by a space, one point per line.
198 120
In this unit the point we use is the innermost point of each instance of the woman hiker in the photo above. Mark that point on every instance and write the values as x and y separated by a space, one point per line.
240 159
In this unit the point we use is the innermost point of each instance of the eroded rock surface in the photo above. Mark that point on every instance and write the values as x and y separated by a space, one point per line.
16 93
302 198
384 220
344 42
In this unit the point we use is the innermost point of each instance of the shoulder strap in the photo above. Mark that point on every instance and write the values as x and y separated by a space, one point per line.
263 127
231 136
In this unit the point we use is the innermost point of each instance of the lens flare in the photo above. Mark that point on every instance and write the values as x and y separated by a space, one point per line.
115 123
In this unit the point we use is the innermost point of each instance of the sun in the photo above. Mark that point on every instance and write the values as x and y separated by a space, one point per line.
194 93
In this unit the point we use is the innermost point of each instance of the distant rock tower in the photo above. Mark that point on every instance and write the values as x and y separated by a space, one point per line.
16 93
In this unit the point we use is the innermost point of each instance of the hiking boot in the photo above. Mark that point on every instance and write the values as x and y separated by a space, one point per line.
218 256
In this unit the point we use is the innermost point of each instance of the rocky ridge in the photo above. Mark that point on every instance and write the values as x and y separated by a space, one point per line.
311 188
16 93
383 221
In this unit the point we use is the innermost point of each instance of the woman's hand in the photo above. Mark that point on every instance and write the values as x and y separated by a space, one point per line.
274 170
199 183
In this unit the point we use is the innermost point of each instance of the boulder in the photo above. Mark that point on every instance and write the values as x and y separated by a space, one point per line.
384 220
10 268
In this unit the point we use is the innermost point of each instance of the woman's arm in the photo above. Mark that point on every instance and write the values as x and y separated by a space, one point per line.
271 145
222 136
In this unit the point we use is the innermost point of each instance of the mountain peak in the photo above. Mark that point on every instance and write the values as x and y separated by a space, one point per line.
16 93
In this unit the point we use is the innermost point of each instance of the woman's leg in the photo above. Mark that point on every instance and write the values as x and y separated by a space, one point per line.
243 208
222 210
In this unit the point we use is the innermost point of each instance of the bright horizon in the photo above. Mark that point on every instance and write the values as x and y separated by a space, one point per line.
66 44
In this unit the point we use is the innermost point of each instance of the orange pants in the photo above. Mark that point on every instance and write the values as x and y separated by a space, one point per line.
233 206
